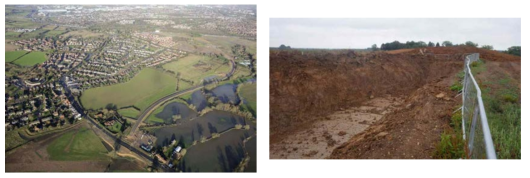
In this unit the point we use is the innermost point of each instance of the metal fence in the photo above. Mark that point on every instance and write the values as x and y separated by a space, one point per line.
474 121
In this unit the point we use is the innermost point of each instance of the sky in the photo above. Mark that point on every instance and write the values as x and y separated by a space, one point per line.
501 33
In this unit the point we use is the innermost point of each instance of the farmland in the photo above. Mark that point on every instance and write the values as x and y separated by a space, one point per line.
248 93
145 88
196 68
77 145
13 55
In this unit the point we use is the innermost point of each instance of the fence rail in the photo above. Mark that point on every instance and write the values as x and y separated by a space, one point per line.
475 126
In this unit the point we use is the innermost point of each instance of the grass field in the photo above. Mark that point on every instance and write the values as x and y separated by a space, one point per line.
129 112
145 88
12 55
13 139
248 93
31 59
226 43
501 95
82 144
189 69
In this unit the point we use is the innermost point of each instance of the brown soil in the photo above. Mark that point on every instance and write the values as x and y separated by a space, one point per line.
331 131
305 87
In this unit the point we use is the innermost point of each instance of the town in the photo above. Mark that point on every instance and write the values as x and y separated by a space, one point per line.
155 88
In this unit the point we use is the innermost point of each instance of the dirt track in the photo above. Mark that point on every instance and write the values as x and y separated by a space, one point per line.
305 88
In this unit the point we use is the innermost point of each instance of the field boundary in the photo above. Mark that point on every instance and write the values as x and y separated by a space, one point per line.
473 107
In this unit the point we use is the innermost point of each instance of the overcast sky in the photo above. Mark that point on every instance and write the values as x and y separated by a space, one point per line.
362 33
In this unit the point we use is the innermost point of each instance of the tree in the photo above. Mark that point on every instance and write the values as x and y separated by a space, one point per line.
431 44
284 47
487 47
470 43
437 44
514 50
374 47
447 43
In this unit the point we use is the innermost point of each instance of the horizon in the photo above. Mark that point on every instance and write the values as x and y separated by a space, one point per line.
362 33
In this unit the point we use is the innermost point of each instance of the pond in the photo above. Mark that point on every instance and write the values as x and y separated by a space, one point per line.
226 93
176 108
188 131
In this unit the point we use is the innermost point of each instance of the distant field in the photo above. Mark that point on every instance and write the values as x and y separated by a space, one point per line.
10 47
129 112
145 88
248 93
77 145
12 35
31 59
12 55
226 43
196 67
83 33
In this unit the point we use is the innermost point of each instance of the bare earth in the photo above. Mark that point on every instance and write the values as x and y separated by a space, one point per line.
322 137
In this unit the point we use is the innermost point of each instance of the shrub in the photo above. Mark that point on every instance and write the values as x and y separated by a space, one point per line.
456 87
509 98
451 146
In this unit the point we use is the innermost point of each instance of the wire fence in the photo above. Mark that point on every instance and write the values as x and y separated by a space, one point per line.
474 121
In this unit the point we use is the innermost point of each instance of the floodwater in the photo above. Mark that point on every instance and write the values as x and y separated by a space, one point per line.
250 146
221 154
176 108
226 93
198 100
211 122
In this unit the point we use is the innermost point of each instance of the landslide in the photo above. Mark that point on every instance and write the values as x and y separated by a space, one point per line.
305 86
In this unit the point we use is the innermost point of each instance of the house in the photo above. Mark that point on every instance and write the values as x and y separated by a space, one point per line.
177 149
146 147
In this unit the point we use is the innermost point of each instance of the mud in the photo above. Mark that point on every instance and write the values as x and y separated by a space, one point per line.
333 130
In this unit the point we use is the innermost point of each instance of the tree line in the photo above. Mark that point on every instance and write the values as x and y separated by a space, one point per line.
514 50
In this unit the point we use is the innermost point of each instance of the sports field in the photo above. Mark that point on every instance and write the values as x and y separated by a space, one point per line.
31 59
12 55
196 68
77 145
145 88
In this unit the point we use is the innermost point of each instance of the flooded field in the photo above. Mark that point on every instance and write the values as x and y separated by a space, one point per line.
211 122
176 108
221 154
198 100
226 93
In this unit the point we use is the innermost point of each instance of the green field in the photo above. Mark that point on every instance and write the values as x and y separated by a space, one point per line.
227 42
129 112
248 93
12 55
189 69
145 88
31 59
82 144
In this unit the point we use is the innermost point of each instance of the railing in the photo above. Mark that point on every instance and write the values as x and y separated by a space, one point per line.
474 121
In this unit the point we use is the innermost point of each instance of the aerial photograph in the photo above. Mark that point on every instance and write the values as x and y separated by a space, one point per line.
409 88
130 88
